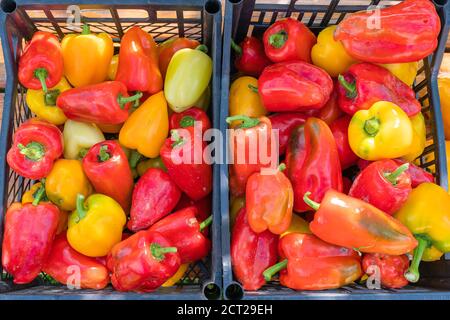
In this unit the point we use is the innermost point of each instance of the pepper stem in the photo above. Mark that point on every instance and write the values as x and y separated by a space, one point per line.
134 159
269 272
277 40
51 96
205 223
159 252
176 138
202 48
103 154
124 100
253 88
282 167
33 151
39 193
81 209
86 29
236 47
247 122
42 74
187 121
392 177
82 153
372 126
412 274
350 88
310 202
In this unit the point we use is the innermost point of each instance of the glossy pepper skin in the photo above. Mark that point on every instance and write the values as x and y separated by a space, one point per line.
154 196
444 94
405 32
251 252
142 262
143 166
27 240
288 39
168 48
138 62
35 147
419 137
352 223
285 123
106 167
365 84
79 137
298 225
112 68
406 71
250 56
309 263
41 64
62 260
331 111
339 128
294 86
203 206
312 162
188 118
391 268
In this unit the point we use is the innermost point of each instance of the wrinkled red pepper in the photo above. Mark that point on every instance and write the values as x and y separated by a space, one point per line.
188 118
339 128
250 56
285 122
391 268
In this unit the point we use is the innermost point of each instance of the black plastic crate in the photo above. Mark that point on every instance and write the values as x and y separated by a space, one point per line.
245 17
196 19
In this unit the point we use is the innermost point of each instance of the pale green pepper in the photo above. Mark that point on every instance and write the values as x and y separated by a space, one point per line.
79 137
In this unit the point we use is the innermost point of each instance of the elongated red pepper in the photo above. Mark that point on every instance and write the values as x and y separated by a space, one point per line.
106 166
405 32
365 83
36 145
188 118
203 206
41 64
288 39
285 122
63 262
251 252
107 103
339 128
384 185
142 262
312 162
250 56
391 269
294 86
154 197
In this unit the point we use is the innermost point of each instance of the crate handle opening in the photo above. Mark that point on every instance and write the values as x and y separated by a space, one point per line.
212 291
8 6
234 291
212 6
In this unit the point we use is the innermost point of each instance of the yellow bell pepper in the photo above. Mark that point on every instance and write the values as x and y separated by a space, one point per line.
404 71
79 137
245 100
44 104
87 57
143 166
65 182
236 204
330 54
419 137
96 225
297 225
444 93
384 131
112 69
177 276
146 129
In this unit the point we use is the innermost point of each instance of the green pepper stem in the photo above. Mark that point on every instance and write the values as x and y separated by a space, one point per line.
310 202
134 159
176 138
413 274
372 126
41 74
81 209
253 88
33 151
236 47
350 88
187 121
277 40
392 177
247 122
159 252
51 96
39 194
202 48
269 272
124 100
282 167
205 223
103 154
86 29
82 153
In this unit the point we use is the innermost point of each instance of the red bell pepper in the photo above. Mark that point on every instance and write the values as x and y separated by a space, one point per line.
203 207
106 166
193 176
309 263
41 63
154 197
184 231
294 86
312 162
250 56
169 47
365 83
353 223
331 111
188 118
391 268
142 262
36 145
405 32
63 262
384 185
285 122
288 39
339 128
107 103
251 252
138 62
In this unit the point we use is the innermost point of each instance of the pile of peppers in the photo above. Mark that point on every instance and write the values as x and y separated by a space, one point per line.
348 196
107 198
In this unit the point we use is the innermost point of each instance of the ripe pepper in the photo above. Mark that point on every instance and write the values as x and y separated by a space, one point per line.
61 262
383 131
404 71
143 166
41 64
154 196
288 39
147 127
36 145
142 262
294 86
444 94
330 111
339 128
251 252
86 57
182 87
365 83
352 223
404 32
188 118
177 276
391 268
236 204
309 263
203 206
27 239
285 123
298 225
138 62
112 69
107 102
244 99
312 162
66 180
384 185
106 166
44 104
427 214
269 200
193 175
79 137
96 225
168 48
250 56
419 137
